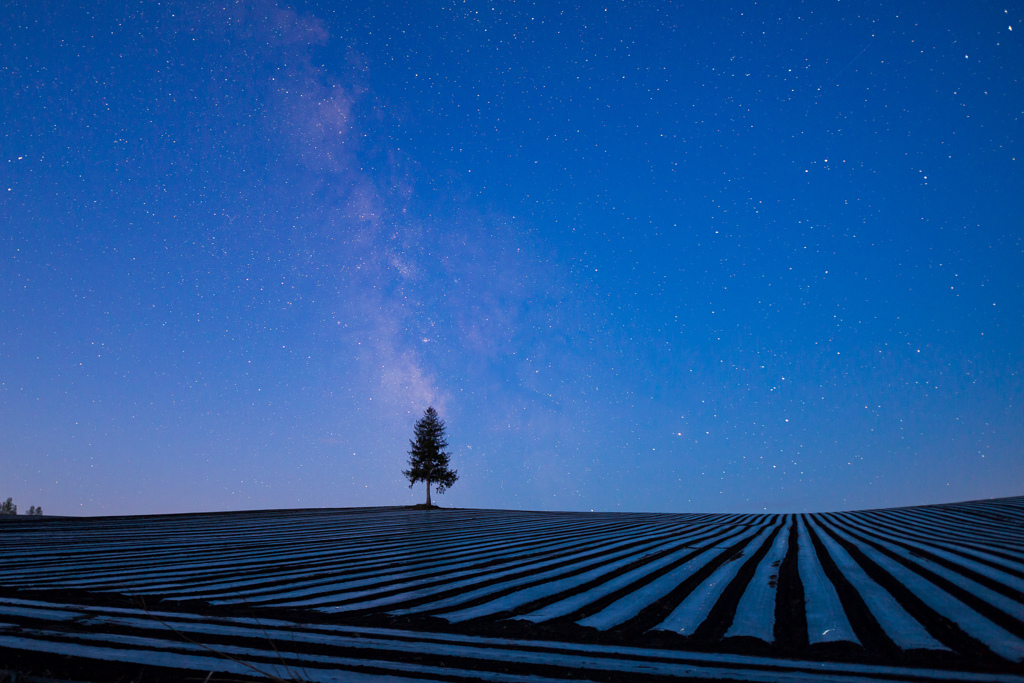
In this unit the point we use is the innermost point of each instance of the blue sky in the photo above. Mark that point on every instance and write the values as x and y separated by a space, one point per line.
639 256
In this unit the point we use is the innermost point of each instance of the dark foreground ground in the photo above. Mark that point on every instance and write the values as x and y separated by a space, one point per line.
400 594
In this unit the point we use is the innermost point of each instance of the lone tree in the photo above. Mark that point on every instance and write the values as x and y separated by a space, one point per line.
428 459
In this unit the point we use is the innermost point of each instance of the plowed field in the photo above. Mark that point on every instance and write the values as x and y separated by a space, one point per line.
923 593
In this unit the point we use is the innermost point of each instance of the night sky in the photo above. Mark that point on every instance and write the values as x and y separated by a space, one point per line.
643 256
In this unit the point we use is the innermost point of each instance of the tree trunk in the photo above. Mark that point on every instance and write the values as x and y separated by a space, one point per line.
428 493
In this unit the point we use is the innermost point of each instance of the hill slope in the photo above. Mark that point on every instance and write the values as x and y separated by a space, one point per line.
934 592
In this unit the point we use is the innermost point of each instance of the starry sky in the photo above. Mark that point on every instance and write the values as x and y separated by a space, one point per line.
643 256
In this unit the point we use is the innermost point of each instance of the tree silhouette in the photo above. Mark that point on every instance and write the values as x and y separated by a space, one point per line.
428 459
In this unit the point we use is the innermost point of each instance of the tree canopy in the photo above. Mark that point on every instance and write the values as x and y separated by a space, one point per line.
8 507
428 459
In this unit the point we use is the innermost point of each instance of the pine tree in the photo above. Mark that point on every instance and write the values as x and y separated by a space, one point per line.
8 507
428 459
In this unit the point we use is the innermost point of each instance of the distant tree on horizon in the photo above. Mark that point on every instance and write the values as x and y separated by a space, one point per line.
8 507
35 511
428 459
